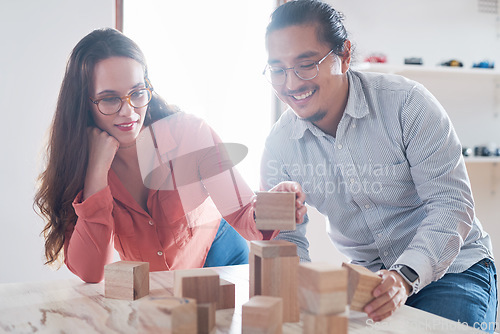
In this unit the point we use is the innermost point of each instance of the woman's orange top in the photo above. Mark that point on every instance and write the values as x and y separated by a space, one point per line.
193 184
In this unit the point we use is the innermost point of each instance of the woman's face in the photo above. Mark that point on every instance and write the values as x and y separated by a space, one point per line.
118 77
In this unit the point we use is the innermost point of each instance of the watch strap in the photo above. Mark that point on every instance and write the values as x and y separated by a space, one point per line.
414 285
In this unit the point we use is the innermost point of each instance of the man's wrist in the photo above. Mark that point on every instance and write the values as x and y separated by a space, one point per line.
408 287
409 277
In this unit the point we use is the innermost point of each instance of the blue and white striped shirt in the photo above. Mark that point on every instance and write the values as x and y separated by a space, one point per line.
392 183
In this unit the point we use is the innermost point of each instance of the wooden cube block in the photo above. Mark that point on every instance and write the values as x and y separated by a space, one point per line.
361 284
273 248
273 272
262 314
325 323
226 295
206 317
200 284
275 211
167 315
127 280
322 288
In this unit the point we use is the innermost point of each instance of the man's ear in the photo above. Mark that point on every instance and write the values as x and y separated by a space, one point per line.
346 56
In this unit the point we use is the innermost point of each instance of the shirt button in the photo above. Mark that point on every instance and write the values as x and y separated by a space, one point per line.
352 180
151 223
339 146
367 206
354 125
379 235
160 253
385 253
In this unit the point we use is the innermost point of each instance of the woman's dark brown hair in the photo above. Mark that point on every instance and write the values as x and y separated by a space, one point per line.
67 148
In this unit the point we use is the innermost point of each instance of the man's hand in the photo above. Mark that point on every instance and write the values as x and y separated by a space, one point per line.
300 197
390 294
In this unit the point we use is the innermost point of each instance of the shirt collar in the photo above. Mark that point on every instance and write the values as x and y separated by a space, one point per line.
356 107
300 126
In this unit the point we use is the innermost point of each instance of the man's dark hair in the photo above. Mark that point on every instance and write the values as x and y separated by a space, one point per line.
330 28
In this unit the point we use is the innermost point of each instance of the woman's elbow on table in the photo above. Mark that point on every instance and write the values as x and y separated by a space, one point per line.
93 275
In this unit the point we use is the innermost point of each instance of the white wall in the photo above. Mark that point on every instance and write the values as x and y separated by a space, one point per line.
37 38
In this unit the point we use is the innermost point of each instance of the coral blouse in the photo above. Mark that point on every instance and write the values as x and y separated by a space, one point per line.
192 186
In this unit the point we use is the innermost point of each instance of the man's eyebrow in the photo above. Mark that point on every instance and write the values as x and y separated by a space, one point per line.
307 54
302 56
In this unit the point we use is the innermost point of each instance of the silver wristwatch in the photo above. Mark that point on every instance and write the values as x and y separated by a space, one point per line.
409 275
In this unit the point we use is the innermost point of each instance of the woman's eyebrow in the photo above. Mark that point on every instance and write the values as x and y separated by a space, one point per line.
110 91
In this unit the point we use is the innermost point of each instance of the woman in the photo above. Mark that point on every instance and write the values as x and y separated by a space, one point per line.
112 136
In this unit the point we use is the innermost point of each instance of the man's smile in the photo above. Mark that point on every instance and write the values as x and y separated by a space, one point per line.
304 96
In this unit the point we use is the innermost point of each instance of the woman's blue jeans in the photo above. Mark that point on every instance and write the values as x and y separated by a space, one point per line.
469 297
228 248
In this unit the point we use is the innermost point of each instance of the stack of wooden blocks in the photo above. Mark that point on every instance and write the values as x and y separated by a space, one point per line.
325 291
322 291
273 272
197 295
273 285
273 268
202 285
210 292
279 287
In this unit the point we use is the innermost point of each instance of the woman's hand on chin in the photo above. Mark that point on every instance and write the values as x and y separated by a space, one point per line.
102 151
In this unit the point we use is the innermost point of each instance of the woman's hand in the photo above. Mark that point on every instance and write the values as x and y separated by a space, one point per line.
300 197
102 151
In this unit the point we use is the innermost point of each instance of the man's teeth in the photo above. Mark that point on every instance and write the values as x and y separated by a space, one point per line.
303 96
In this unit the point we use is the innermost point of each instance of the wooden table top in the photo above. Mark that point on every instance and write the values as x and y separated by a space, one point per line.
76 307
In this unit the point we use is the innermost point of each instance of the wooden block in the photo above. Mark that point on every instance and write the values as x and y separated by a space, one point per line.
322 288
275 211
361 284
262 314
206 317
127 280
325 323
273 248
200 284
167 315
276 276
226 295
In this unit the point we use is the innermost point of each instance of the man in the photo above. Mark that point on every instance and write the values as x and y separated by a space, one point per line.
378 156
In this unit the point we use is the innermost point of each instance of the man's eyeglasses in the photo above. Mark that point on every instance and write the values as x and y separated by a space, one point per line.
305 70
113 104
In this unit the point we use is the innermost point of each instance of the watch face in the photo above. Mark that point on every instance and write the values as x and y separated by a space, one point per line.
409 273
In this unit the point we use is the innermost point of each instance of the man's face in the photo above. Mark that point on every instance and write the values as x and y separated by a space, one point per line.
310 99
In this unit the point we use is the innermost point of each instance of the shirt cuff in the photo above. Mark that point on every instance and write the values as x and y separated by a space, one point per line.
420 264
94 206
